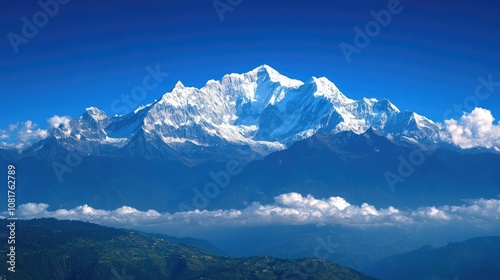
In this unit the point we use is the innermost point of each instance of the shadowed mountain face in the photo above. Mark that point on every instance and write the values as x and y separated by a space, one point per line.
472 259
361 168
369 167
77 250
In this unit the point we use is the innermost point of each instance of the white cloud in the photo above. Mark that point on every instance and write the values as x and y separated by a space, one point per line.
290 208
32 209
30 131
475 129
22 135
6 133
56 121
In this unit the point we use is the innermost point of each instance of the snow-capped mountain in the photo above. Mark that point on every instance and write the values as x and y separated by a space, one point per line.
308 137
242 115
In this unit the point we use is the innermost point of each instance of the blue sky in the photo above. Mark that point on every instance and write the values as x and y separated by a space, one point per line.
90 53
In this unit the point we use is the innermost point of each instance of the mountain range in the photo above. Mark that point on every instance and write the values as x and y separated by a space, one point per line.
242 116
302 137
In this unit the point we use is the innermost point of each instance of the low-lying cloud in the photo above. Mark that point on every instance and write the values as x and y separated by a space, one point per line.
289 208
475 129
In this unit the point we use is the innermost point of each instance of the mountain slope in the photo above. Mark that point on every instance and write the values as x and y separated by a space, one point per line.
52 249
353 166
472 259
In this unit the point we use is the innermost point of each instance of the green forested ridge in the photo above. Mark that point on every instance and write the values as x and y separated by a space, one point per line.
53 249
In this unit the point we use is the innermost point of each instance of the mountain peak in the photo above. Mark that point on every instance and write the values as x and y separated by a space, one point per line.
179 85
265 71
329 90
96 113
370 101
382 105
93 109
266 68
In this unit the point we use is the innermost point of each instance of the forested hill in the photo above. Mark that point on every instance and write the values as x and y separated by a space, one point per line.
54 249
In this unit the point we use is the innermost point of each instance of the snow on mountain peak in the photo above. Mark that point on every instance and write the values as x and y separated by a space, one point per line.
421 120
370 101
392 106
179 85
275 76
97 114
328 89
263 106
259 112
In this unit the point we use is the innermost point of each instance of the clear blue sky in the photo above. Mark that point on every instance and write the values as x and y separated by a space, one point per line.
92 52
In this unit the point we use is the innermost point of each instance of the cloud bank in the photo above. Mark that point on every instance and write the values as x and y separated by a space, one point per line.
288 209
475 129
